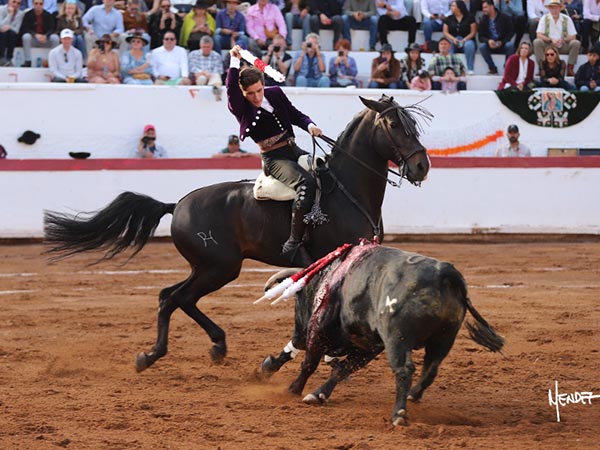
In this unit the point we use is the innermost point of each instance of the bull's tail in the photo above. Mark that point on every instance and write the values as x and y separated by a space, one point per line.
128 222
480 331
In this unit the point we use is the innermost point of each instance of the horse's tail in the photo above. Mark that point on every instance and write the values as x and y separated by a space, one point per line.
127 222
480 331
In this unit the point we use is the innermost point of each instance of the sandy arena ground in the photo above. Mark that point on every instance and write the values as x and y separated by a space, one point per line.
69 334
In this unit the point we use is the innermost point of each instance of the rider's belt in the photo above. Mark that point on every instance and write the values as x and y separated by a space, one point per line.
267 145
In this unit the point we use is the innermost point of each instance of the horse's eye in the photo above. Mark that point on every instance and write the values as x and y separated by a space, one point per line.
394 124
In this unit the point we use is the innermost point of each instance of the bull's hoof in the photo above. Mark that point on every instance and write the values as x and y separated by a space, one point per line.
312 399
268 367
217 353
400 418
141 362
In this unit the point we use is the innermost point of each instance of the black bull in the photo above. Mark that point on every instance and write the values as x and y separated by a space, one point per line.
379 298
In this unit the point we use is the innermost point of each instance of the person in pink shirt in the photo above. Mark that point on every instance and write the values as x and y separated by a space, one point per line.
421 82
263 22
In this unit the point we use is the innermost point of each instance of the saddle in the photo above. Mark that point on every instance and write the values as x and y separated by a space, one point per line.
268 188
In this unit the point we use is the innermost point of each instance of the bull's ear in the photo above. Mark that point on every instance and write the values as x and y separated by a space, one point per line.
372 104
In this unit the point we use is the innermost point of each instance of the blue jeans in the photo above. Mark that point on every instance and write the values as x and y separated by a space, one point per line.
302 81
507 49
376 85
586 89
429 26
365 24
223 42
468 49
295 21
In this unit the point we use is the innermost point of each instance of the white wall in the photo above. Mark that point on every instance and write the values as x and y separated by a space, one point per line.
463 200
107 120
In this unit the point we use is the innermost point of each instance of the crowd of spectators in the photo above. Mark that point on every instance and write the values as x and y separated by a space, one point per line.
158 42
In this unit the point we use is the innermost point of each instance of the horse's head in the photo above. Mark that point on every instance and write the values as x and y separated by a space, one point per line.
396 136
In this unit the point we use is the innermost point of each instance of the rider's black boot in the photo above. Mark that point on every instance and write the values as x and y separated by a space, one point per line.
292 249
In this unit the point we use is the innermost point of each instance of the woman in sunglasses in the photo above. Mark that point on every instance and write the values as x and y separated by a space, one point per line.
553 69
103 62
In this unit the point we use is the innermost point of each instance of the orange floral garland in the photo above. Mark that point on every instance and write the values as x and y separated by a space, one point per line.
468 147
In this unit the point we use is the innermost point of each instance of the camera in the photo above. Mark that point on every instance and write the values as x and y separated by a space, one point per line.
276 48
147 139
341 53
309 45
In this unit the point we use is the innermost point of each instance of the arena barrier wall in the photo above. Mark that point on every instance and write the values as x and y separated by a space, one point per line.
107 121
461 195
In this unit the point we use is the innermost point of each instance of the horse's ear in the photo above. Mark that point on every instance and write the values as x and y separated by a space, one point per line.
372 104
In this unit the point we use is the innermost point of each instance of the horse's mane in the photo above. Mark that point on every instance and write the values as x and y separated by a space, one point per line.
411 118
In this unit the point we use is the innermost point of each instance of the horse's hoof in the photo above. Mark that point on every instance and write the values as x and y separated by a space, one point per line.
217 353
267 368
312 399
400 418
141 362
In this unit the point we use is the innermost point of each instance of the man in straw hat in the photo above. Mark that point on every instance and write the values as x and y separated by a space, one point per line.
558 30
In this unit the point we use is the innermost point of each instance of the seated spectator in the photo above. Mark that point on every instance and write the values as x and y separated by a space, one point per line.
421 81
326 14
297 15
134 21
412 65
148 148
514 10
449 80
552 70
162 21
361 15
495 34
102 19
557 30
65 61
279 59
535 11
69 16
342 68
233 149
206 66
170 62
518 71
103 62
574 9
460 28
11 18
385 70
309 65
440 62
587 77
393 16
434 12
197 23
37 30
514 148
263 21
135 63
591 21
231 27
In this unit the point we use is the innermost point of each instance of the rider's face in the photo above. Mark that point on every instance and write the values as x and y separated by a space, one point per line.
255 93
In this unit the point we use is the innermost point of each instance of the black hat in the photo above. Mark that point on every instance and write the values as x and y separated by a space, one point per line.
2 152
386 48
137 35
513 128
201 4
233 139
29 137
413 46
79 155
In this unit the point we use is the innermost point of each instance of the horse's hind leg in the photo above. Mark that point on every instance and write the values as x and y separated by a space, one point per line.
166 307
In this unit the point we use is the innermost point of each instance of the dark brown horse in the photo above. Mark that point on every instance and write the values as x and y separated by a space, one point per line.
217 226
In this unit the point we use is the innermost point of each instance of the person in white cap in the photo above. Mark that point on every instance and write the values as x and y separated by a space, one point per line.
65 61
557 30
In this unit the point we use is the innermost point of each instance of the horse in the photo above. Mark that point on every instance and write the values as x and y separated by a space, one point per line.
376 298
216 227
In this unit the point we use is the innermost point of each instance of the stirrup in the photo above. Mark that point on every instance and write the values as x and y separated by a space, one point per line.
290 248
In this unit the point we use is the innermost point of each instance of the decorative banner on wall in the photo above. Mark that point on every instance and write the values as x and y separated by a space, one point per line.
554 108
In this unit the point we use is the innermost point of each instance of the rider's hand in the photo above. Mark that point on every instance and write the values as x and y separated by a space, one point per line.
315 131
235 52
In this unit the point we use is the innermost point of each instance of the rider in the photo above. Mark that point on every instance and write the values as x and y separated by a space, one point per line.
267 116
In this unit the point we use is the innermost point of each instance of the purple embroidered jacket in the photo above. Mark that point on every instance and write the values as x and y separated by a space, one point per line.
258 123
